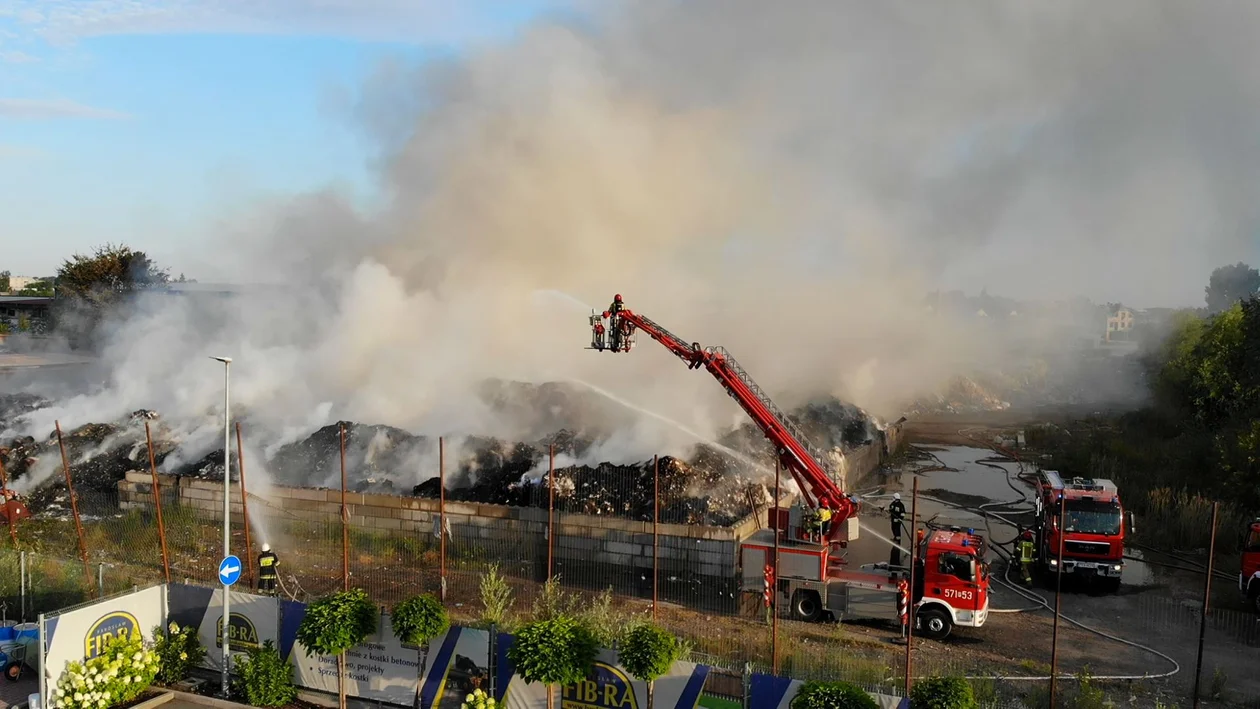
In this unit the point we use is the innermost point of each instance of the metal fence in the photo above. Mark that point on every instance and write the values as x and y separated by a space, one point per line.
723 628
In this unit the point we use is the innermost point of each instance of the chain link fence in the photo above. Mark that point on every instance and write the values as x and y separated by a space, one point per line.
123 549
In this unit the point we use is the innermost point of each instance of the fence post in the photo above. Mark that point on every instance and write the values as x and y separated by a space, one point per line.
43 663
656 534
1207 597
492 663
746 679
442 517
157 501
551 510
1058 596
100 579
4 500
345 515
22 583
74 507
249 544
914 559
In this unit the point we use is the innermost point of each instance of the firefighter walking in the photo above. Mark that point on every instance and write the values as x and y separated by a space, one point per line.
1026 548
268 563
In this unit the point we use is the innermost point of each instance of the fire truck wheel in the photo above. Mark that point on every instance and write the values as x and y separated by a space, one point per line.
934 623
1255 601
806 606
1109 585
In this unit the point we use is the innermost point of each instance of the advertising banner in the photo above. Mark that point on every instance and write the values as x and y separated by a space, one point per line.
458 663
254 619
82 633
380 669
608 687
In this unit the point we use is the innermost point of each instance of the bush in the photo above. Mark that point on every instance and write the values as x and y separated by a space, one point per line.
556 651
942 693
123 670
337 623
419 619
496 599
264 678
479 700
648 651
178 650
832 695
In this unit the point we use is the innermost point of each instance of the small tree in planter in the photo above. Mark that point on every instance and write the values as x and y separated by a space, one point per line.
559 651
178 650
647 652
832 695
418 620
942 693
335 624
265 679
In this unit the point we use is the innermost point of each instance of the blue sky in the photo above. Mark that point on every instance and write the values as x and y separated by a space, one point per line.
135 120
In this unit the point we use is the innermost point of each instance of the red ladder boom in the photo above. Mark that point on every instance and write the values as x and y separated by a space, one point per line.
800 459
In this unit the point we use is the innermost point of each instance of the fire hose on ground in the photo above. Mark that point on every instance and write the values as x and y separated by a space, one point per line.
1041 603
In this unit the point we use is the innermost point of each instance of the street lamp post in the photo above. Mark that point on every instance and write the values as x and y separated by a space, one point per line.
227 519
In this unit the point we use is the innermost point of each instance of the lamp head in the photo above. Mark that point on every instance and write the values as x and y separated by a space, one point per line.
225 360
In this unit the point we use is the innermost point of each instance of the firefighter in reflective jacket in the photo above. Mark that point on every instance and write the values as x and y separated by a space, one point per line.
1026 548
267 565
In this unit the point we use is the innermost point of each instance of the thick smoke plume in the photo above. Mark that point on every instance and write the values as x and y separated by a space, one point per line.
787 181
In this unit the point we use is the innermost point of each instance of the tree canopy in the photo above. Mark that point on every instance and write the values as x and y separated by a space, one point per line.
1231 284
109 272
4 281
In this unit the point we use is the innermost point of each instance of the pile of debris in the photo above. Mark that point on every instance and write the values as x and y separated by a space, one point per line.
707 486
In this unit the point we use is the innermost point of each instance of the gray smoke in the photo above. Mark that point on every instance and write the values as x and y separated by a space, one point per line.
785 180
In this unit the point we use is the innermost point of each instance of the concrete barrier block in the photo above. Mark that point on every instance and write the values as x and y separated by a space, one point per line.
622 548
385 501
303 494
390 523
136 476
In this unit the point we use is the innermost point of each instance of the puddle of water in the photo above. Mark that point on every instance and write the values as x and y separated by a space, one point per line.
1136 573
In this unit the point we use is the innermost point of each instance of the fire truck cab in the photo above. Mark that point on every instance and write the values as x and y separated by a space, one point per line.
1249 576
1093 544
950 585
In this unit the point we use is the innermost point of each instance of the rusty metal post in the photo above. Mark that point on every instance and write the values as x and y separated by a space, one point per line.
249 544
1207 597
774 592
442 517
345 513
8 513
913 537
157 502
551 511
74 507
656 541
1058 601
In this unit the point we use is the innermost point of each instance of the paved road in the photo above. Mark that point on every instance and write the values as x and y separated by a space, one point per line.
16 692
14 361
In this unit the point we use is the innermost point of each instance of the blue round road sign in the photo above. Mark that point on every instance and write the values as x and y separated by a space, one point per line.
229 570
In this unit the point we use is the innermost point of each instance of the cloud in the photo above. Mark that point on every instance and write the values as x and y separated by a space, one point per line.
64 21
18 57
45 109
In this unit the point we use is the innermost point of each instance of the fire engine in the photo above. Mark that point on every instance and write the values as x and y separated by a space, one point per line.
1249 576
951 578
1093 546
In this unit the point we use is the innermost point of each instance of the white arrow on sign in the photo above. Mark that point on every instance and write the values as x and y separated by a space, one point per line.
227 571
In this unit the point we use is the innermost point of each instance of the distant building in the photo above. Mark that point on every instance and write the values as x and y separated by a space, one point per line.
20 312
19 283
1120 325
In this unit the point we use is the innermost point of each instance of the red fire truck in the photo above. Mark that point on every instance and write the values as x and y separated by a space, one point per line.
951 578
1249 576
1093 546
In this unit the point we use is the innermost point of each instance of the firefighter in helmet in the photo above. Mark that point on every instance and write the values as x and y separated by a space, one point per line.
824 517
896 515
268 563
617 305
1026 548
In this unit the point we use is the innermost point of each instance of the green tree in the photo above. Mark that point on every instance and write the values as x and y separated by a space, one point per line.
4 281
832 695
335 624
942 693
647 652
1230 284
91 287
418 620
264 678
42 288
557 651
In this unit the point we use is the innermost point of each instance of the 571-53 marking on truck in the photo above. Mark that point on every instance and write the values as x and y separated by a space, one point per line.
954 593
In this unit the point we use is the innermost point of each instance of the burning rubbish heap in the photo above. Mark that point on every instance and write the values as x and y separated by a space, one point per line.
709 485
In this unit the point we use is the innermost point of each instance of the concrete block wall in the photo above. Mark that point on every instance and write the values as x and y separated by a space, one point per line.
585 544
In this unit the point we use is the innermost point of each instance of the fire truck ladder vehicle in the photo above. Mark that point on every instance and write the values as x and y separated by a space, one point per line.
951 580
1093 545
